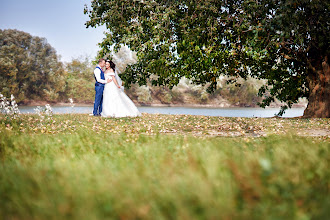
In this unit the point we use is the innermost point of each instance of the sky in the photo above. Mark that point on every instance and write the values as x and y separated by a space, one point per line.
61 22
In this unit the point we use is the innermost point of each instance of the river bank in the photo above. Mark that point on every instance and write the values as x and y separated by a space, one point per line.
186 105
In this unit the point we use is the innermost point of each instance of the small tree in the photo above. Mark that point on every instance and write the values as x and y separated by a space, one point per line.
80 80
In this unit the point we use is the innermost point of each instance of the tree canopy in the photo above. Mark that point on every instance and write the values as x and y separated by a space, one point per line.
29 67
284 42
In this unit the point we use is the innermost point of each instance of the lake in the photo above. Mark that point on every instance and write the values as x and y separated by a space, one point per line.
223 112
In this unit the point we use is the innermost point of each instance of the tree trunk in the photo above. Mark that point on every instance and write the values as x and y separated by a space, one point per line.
319 88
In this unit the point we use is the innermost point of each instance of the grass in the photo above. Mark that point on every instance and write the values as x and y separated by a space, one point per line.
163 167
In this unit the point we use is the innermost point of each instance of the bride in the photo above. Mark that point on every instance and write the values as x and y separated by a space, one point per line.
115 102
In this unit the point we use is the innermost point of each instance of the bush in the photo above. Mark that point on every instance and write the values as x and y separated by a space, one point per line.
242 94
162 94
144 95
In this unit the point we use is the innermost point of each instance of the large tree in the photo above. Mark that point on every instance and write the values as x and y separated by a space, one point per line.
29 67
285 42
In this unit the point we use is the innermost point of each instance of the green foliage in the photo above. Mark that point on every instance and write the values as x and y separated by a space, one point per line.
143 93
80 81
75 80
242 93
29 67
91 168
162 94
284 42
30 70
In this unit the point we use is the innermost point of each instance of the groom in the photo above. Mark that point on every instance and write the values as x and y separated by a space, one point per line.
99 87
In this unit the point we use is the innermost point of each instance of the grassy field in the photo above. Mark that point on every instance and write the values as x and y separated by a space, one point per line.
74 166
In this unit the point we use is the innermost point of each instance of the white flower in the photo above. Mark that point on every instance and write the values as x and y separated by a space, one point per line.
9 108
48 110
71 102
38 110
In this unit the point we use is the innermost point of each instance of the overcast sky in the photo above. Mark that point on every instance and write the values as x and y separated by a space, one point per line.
61 22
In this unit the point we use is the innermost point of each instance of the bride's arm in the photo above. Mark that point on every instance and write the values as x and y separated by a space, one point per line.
115 81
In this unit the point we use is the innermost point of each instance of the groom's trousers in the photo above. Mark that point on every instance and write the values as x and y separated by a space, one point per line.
98 99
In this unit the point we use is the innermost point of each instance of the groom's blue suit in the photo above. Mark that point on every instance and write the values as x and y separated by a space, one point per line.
99 87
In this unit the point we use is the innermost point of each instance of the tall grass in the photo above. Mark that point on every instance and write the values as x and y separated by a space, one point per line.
98 175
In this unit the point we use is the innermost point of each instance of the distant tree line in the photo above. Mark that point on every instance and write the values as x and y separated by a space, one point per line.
31 70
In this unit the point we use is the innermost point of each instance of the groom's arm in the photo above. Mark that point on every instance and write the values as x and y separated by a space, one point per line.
97 74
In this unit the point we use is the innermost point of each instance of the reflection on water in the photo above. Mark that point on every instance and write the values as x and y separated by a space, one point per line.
224 112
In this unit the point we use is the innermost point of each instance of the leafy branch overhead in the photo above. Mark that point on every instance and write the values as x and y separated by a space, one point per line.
285 42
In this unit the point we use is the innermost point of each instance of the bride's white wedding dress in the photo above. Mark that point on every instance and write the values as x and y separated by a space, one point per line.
115 102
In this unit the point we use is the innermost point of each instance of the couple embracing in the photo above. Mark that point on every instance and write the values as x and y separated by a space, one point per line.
110 99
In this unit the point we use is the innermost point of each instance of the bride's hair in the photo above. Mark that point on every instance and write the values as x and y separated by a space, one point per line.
112 65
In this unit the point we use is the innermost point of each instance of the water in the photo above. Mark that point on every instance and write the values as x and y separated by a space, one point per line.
223 112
